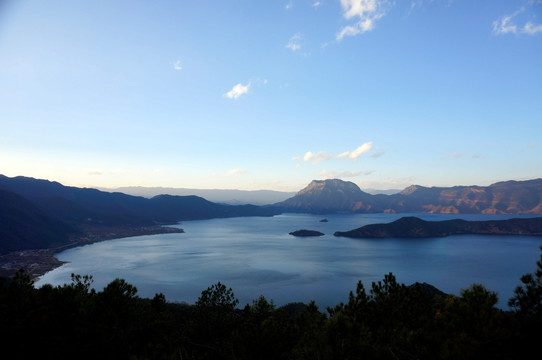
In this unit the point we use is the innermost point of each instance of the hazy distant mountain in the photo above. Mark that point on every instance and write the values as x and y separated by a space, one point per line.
337 196
232 197
378 191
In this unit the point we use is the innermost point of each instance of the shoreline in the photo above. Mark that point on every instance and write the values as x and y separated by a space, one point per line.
37 262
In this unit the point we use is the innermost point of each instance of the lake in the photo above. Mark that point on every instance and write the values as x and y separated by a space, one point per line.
257 256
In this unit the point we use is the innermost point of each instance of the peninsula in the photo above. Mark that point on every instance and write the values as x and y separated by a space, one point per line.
413 227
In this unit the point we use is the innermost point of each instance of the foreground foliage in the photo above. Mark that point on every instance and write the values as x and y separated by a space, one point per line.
390 321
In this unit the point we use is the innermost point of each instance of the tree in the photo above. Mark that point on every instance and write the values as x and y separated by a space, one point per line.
527 299
212 329
469 325
527 303
217 297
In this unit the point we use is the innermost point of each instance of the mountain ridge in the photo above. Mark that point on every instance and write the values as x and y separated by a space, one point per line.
338 196
45 214
225 196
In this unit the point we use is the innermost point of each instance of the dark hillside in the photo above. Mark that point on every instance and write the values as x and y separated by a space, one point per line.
413 227
36 213
25 226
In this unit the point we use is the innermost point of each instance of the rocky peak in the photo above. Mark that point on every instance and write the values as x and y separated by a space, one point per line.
331 185
409 190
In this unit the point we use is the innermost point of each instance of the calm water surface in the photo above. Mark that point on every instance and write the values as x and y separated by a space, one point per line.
256 256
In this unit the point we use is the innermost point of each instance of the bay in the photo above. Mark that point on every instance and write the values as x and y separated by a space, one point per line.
257 256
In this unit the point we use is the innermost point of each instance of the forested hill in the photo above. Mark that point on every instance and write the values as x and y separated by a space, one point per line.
86 204
413 227
337 196
386 321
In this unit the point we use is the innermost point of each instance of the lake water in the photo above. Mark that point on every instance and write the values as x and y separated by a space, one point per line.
256 256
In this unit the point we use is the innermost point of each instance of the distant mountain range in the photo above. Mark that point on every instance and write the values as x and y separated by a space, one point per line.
224 196
337 196
231 197
46 214
41 213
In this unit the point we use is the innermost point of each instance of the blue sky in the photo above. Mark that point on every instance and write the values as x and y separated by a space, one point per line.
271 94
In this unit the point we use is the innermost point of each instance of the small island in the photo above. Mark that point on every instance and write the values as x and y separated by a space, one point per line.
413 227
304 232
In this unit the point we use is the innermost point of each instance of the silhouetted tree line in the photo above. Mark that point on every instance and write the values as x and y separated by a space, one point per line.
389 321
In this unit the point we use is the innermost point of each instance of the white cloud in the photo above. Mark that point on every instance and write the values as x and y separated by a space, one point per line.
177 65
532 29
318 157
366 12
316 4
378 154
288 6
293 43
368 146
237 91
360 8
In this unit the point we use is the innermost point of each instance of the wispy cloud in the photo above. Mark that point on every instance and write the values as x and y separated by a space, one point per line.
316 4
459 155
320 156
94 173
368 146
237 91
177 65
378 154
236 171
506 24
365 13
330 174
289 6
293 43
